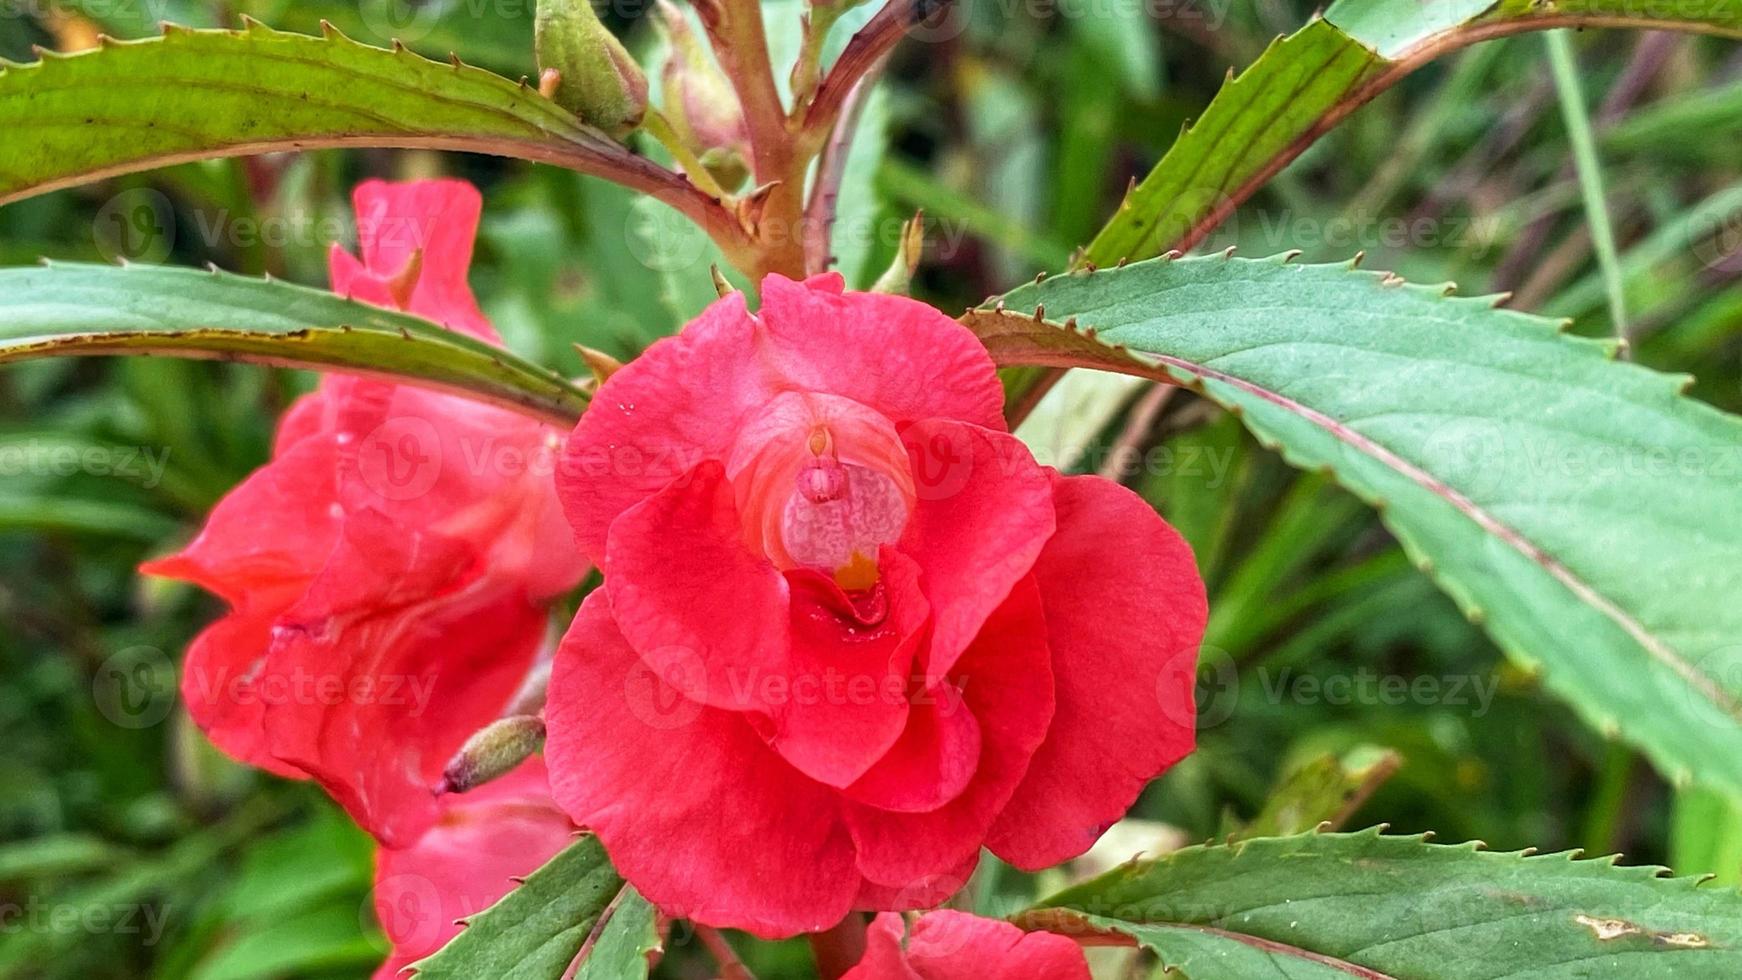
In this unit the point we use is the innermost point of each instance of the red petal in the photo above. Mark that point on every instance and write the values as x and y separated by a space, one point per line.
218 679
844 684
884 958
1007 686
436 218
984 513
396 655
924 892
948 945
681 402
268 536
694 809
1124 637
699 606
505 829
896 355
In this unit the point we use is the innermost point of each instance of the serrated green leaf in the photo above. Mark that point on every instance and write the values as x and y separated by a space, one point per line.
535 931
625 941
66 310
1574 505
1366 905
1306 83
189 95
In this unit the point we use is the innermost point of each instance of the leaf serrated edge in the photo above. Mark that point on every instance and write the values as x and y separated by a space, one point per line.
1673 385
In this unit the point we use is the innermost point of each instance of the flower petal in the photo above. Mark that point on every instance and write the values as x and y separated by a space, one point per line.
398 652
434 219
894 354
984 513
950 945
845 683
694 809
504 830
218 678
268 536
924 892
681 402
884 958
1007 687
1124 628
705 612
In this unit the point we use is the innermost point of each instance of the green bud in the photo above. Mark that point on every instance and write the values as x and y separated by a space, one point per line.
492 751
700 101
595 79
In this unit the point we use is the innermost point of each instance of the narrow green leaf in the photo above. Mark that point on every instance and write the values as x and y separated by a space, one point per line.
67 310
1306 83
1566 501
537 929
1366 905
59 854
1564 68
190 95
624 942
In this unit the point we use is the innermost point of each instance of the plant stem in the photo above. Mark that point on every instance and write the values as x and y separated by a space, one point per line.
1603 817
741 45
1578 120
725 957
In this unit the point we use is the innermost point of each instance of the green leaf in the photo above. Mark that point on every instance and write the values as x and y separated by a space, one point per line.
625 940
1565 500
536 930
62 310
1367 905
1706 834
191 95
59 854
1306 83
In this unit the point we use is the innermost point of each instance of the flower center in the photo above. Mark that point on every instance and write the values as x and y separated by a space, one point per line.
822 482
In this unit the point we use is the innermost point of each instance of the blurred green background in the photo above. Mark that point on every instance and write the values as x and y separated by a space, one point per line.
128 848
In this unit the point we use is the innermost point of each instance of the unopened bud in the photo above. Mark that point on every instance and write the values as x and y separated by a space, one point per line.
492 751
596 78
898 278
701 103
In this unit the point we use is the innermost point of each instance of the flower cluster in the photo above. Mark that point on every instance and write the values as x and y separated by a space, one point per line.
850 632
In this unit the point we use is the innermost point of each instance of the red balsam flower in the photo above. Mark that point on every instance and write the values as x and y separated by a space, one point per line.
462 865
388 571
850 630
950 945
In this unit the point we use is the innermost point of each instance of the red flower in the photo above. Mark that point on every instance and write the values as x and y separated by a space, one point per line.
388 570
850 631
504 830
957 946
